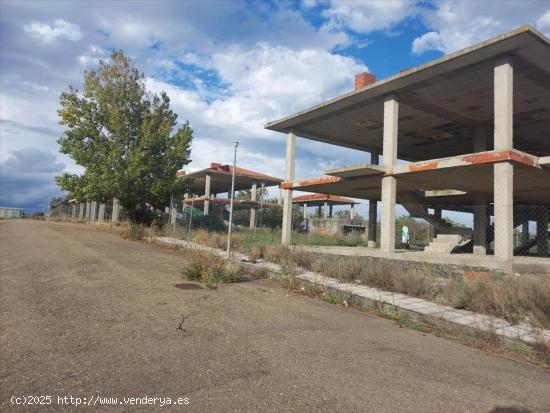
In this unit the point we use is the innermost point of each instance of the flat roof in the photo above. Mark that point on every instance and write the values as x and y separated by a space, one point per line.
441 102
220 179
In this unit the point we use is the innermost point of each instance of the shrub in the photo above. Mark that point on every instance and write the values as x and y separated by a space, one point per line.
135 232
205 267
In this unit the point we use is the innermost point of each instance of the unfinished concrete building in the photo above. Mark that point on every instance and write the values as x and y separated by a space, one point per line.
206 184
469 132
324 221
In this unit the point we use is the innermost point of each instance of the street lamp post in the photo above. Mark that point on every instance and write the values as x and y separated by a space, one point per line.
235 144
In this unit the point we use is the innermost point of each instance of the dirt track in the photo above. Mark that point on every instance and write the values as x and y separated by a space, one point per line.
86 313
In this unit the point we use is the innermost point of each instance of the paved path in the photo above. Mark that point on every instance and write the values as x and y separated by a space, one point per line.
86 313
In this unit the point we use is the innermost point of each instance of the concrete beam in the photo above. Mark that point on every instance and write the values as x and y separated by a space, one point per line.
253 196
290 161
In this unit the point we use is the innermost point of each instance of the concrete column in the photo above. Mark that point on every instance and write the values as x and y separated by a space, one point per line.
81 210
101 214
373 208
504 101
481 218
115 215
280 197
173 216
319 214
325 210
253 196
542 233
207 195
305 211
387 222
503 172
504 210
88 210
352 211
93 213
73 211
389 184
373 218
287 193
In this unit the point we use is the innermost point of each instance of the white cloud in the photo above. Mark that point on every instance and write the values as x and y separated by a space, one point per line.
543 23
60 29
368 16
457 24
428 41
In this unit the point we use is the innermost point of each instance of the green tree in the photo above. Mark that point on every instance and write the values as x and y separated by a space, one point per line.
246 194
124 137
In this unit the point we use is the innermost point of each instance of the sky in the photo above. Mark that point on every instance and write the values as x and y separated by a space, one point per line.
228 67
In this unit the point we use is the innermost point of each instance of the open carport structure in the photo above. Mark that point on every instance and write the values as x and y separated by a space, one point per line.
208 183
467 132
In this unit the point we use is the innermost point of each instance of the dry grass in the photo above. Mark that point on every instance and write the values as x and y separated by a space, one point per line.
202 266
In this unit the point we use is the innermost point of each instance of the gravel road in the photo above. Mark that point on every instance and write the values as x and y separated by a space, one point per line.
85 313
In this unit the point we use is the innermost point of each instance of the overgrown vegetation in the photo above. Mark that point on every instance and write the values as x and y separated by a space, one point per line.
205 267
517 299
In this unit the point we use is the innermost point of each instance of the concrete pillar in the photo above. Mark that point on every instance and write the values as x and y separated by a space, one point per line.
207 195
173 216
101 214
542 233
504 210
373 224
504 101
481 218
503 172
280 197
319 214
115 215
325 210
287 193
373 208
93 213
73 211
88 210
81 210
352 211
305 211
253 196
330 211
389 184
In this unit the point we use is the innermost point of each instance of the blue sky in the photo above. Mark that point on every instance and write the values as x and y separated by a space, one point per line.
228 66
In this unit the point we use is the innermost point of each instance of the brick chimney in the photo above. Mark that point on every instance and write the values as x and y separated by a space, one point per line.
363 80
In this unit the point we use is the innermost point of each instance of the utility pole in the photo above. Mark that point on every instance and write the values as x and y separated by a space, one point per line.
235 144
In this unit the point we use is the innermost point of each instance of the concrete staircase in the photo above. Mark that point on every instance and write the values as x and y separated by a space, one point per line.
443 244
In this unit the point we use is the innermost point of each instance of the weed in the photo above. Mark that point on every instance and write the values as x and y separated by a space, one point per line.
135 232
205 267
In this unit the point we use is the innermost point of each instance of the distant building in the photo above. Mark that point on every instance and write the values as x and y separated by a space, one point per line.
11 213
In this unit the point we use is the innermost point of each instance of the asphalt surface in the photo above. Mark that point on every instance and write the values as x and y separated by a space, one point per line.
85 313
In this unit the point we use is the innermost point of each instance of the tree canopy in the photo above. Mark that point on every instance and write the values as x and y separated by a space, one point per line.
124 137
